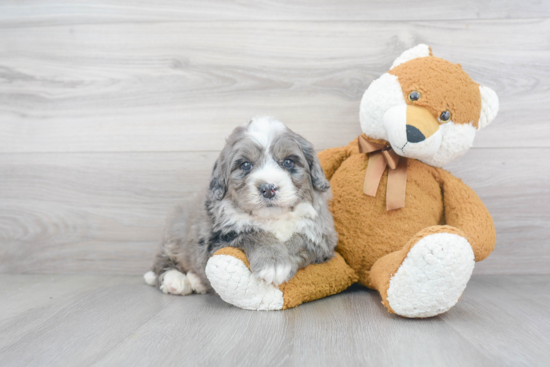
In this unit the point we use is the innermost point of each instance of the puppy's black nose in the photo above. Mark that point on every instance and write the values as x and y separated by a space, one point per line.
414 135
267 190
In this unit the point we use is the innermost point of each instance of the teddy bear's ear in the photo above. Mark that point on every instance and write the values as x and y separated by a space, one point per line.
489 106
417 51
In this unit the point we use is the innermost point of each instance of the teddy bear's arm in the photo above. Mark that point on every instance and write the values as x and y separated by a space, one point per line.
465 210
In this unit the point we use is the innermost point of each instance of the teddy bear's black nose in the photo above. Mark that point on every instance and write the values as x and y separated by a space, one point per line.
414 135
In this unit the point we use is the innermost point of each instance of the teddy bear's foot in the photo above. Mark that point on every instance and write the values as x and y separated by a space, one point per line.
432 277
231 278
430 274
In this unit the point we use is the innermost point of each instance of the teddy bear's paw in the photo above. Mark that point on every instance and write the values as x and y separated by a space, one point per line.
236 285
175 282
432 277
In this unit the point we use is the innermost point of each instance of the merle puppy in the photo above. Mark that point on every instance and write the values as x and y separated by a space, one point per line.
267 196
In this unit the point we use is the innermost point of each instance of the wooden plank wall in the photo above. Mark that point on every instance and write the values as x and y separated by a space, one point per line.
112 111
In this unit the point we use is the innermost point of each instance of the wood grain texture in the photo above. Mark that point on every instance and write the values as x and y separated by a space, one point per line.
111 112
121 321
525 315
103 212
91 211
14 13
183 86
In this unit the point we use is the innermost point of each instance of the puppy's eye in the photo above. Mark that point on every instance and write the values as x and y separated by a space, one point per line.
414 96
246 166
445 116
288 163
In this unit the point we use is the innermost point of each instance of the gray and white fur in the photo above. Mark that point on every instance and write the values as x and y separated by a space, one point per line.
267 196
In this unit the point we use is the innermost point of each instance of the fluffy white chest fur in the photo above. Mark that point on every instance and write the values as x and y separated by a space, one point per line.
282 223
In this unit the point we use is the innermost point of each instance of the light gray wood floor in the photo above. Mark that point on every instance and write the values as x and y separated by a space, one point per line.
119 321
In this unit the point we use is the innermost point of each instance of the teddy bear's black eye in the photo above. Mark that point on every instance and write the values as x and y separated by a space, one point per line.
246 166
288 163
445 116
414 96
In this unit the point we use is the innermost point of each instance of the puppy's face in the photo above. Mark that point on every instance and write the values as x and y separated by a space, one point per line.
266 168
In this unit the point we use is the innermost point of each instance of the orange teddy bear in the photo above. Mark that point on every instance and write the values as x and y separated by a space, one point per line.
406 227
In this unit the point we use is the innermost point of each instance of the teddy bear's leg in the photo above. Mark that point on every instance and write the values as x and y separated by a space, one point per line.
229 274
427 276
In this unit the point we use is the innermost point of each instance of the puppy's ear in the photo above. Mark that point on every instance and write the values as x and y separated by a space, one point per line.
218 180
318 179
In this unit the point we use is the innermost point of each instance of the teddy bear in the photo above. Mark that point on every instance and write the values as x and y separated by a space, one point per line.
407 228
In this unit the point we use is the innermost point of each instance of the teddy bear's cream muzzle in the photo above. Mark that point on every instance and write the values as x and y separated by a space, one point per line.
412 131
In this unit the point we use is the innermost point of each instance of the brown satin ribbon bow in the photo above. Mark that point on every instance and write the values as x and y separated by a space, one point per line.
381 156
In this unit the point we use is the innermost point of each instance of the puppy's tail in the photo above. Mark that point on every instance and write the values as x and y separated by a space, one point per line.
150 278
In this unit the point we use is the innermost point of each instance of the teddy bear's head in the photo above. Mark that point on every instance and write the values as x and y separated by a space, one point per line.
427 108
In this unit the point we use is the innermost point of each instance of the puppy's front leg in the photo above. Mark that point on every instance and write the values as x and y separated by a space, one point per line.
302 252
268 257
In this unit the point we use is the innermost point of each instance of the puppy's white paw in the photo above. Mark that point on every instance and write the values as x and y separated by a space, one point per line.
196 283
275 274
150 278
175 282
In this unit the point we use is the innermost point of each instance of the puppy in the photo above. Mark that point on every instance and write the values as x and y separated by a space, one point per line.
268 196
